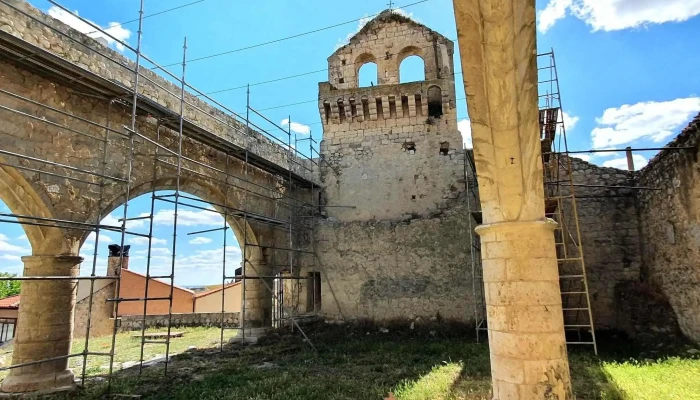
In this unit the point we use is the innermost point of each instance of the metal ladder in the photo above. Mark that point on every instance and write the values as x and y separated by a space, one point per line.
561 206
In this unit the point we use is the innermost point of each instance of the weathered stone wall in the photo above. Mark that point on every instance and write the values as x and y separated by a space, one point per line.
395 244
101 321
65 140
20 19
381 178
134 322
385 270
386 41
394 147
609 234
670 225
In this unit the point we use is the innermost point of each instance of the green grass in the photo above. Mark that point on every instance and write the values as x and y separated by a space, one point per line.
128 348
351 364
671 378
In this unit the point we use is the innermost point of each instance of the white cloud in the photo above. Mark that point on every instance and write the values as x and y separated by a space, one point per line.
621 163
22 237
554 11
103 239
569 121
612 15
465 128
200 240
188 218
584 157
143 241
645 120
161 251
296 127
5 246
10 257
113 221
114 29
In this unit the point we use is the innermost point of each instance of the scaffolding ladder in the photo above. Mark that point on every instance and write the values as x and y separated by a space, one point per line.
561 206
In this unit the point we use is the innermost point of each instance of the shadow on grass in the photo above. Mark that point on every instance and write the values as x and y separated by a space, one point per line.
352 362
359 362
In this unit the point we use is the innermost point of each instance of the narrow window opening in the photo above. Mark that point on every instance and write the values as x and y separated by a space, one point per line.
409 147
444 148
327 110
392 107
341 80
367 75
380 109
343 62
238 273
419 106
412 69
435 102
404 105
353 108
341 111
365 108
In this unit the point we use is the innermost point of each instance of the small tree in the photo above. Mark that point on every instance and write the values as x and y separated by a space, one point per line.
9 288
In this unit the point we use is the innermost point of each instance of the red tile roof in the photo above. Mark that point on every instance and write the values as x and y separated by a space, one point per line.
10 302
212 291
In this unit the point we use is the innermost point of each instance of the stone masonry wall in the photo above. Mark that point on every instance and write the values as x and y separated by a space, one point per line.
386 270
134 322
395 244
20 19
670 225
609 235
101 322
381 177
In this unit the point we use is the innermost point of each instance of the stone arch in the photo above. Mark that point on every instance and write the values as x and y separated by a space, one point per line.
196 187
361 60
21 198
409 51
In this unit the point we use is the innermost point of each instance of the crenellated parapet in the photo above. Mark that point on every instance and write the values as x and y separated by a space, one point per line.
347 111
395 147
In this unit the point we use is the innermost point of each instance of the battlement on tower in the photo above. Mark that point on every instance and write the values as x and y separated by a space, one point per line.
394 147
347 109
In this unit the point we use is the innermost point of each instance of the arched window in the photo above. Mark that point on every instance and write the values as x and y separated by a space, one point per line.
367 75
412 69
434 102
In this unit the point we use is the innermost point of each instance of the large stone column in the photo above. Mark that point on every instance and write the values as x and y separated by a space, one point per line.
44 326
525 321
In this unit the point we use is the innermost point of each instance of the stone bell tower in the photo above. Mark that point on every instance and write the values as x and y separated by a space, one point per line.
394 146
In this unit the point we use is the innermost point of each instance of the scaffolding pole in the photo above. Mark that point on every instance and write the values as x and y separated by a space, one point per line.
294 225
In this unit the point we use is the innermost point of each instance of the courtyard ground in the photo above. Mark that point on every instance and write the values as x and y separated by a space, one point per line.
355 363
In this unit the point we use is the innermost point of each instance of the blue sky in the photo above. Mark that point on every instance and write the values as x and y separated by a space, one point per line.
628 73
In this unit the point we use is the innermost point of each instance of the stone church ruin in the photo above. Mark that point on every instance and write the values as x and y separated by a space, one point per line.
387 219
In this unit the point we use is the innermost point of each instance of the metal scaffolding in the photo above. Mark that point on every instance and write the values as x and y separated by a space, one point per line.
560 205
291 221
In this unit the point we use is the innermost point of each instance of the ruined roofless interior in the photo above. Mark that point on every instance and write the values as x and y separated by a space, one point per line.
388 220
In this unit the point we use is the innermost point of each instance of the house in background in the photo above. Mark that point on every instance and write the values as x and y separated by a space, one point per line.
133 286
9 309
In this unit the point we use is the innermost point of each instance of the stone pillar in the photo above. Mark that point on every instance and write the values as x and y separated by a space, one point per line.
258 298
524 311
45 326
523 301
